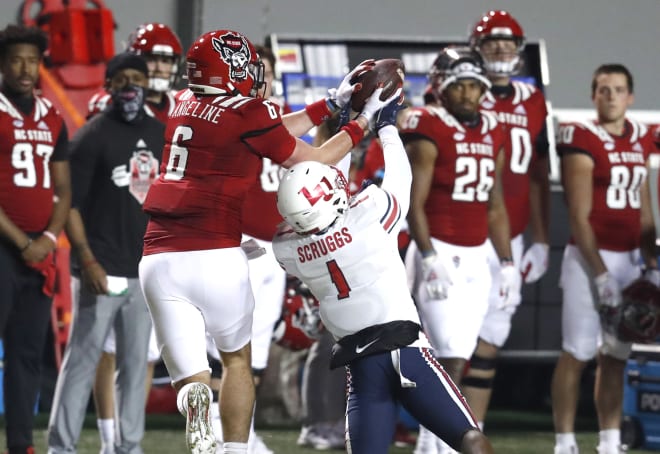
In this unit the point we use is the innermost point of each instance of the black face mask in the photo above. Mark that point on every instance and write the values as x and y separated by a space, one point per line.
128 103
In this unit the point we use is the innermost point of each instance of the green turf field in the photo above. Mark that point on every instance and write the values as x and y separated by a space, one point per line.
510 432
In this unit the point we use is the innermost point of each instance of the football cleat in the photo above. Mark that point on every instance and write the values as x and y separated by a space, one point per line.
199 431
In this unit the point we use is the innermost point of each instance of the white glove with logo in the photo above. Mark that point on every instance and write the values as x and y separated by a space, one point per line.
436 278
342 94
534 263
609 291
374 104
510 282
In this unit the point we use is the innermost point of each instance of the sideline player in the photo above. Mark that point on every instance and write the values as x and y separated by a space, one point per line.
604 172
521 108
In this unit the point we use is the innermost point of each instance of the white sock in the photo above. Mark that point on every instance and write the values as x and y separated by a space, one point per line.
566 439
106 430
609 437
235 448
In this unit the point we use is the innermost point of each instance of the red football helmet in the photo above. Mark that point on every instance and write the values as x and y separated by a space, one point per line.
300 323
499 25
158 39
637 318
224 62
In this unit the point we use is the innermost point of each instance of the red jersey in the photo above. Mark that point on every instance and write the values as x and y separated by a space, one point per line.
523 113
619 170
27 144
214 146
260 215
464 173
101 99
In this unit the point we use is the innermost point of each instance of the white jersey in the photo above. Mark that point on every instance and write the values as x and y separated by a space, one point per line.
354 269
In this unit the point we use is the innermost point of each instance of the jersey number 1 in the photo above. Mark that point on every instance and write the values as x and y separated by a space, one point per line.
337 277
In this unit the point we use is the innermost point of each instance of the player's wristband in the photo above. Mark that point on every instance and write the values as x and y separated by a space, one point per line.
429 253
354 131
506 261
50 235
319 111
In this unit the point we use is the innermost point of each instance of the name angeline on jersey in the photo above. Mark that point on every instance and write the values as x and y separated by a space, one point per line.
324 245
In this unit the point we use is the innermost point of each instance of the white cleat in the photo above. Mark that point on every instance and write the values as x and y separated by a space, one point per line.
199 431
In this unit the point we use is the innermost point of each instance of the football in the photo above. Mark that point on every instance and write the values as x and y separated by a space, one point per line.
387 73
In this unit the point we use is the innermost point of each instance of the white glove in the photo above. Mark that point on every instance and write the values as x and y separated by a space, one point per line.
510 282
342 94
436 278
534 263
653 276
609 291
374 103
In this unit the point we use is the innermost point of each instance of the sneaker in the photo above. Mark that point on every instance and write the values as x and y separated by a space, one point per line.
312 436
566 449
199 431
606 449
107 448
426 442
402 437
256 445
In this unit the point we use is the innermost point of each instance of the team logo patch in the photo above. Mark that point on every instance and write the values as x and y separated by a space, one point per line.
234 51
143 171
609 146
459 136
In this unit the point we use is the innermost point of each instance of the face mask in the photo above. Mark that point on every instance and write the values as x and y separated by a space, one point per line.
128 102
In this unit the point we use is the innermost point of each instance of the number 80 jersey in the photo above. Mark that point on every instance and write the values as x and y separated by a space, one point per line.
457 204
618 172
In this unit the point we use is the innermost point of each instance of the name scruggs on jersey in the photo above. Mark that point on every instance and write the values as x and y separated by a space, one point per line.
324 245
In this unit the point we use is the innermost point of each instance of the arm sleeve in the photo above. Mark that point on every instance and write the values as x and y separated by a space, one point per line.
398 176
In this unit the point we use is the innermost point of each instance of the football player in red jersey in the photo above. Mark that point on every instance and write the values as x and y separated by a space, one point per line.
35 196
193 272
521 108
604 170
457 158
162 51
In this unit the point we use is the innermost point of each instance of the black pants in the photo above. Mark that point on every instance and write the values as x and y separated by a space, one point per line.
24 324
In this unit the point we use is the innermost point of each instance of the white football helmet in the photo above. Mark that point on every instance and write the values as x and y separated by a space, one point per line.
312 196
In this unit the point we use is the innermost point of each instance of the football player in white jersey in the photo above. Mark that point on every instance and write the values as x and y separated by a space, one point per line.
346 252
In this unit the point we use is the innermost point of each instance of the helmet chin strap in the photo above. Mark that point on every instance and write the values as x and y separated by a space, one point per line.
234 90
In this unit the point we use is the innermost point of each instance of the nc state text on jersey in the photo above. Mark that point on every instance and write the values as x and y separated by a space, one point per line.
196 109
324 245
625 156
474 148
37 135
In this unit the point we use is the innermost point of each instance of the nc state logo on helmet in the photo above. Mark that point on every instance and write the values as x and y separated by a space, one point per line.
312 196
224 62
456 63
637 318
499 25
155 39
300 323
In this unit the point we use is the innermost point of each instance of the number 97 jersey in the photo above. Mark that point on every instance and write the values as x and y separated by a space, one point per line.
618 172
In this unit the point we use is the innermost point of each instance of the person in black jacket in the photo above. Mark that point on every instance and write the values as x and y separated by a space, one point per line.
114 158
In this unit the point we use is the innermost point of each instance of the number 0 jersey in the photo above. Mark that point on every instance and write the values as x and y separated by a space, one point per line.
523 114
354 268
619 170
464 173
27 144
214 146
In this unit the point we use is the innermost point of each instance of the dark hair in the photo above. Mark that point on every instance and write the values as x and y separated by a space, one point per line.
266 54
20 34
612 68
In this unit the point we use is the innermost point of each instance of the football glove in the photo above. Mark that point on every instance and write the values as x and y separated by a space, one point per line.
435 278
534 263
388 114
609 291
341 95
374 104
510 282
